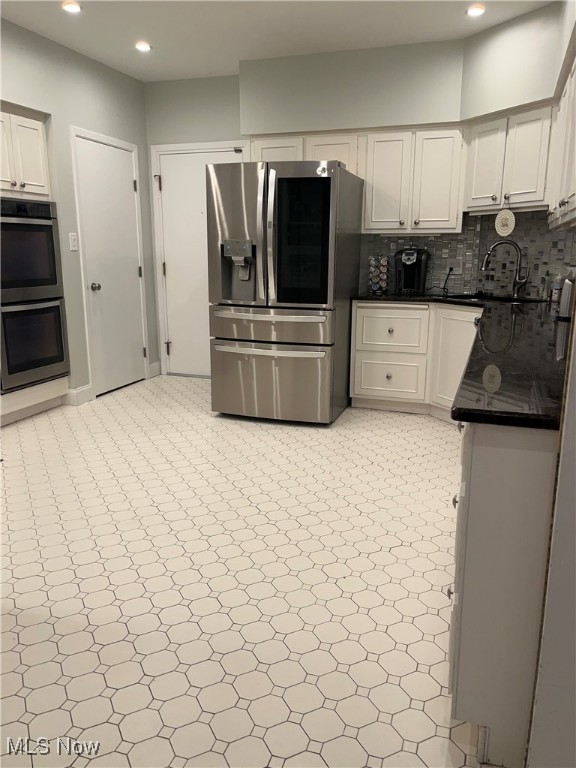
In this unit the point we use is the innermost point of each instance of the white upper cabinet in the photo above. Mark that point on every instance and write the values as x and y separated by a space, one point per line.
24 156
288 148
487 143
526 156
413 181
561 191
507 160
436 180
7 169
343 148
388 177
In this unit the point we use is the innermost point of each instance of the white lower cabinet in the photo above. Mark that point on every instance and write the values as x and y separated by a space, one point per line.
409 353
393 376
454 332
502 536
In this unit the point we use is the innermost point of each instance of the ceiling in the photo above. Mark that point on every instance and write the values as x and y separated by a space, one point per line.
206 39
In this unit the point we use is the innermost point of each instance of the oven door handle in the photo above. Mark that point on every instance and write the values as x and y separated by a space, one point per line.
39 305
24 220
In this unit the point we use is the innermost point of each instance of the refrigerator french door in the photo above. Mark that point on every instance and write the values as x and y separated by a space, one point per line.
283 246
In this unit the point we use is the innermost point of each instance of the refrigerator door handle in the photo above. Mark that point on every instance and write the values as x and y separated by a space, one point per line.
260 234
267 352
270 236
270 318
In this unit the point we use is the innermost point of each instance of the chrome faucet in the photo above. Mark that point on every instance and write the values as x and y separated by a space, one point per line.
518 282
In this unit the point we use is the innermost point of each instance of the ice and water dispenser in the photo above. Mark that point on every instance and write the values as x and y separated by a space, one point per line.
238 270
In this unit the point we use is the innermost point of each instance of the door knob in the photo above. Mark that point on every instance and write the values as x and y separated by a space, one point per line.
96 287
22 184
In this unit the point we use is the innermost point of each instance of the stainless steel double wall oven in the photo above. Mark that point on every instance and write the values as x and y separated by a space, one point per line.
34 345
283 249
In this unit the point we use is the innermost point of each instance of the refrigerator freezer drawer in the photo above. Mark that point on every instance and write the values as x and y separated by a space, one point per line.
290 326
269 381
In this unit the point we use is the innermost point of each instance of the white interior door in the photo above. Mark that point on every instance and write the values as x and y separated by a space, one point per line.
184 251
110 238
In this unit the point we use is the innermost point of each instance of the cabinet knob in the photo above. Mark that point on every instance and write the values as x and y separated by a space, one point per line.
389 376
449 592
476 321
562 203
494 198
13 183
22 184
416 221
390 330
455 500
506 196
460 426
95 287
402 222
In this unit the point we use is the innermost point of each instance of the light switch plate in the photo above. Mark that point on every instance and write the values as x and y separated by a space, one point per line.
73 238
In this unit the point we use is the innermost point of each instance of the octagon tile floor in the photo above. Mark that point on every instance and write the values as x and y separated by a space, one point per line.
196 590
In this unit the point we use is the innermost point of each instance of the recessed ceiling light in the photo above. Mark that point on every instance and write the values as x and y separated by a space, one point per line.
142 46
71 6
476 10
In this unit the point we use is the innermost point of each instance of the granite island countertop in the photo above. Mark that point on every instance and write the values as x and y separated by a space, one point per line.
516 369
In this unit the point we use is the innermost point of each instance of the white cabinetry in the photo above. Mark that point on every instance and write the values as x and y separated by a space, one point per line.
454 333
24 156
409 356
343 147
278 149
502 535
561 194
413 181
507 161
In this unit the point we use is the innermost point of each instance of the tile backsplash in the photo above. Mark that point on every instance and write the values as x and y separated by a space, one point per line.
543 251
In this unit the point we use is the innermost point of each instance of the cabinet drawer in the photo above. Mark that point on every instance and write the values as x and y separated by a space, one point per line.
400 377
392 330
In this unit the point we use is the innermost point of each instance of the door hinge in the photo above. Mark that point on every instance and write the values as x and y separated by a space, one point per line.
164 268
144 351
159 178
139 271
168 343
135 186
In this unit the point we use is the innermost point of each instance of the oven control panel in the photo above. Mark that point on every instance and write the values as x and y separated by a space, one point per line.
27 209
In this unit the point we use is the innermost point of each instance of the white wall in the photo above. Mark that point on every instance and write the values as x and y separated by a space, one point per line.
397 85
514 63
74 90
203 109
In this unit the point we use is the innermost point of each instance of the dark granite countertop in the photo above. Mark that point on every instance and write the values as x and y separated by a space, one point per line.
513 376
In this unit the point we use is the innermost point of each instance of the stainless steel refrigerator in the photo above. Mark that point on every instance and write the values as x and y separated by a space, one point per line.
283 252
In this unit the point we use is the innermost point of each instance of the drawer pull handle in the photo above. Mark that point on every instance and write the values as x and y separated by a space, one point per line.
390 330
455 501
389 376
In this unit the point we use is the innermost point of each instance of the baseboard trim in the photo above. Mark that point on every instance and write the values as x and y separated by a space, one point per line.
79 396
154 369
31 410
419 409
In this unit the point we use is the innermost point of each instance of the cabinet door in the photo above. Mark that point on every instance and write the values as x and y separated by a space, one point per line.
526 156
388 173
343 148
29 142
8 179
485 164
454 334
436 180
284 148
568 178
555 164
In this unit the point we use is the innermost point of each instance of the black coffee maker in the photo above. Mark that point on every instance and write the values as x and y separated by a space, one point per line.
410 265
